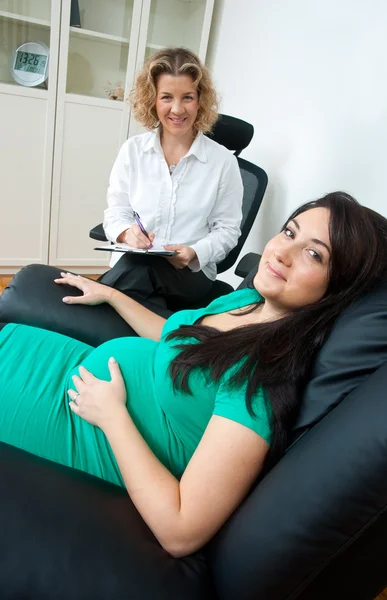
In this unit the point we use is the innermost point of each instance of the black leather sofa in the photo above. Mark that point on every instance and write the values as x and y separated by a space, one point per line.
315 527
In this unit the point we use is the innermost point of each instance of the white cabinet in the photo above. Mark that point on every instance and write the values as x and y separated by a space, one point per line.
27 119
57 145
90 127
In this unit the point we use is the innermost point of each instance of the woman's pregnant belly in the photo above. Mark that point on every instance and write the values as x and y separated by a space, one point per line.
135 357
36 368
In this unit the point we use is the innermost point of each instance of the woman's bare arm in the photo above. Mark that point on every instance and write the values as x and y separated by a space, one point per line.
185 515
144 322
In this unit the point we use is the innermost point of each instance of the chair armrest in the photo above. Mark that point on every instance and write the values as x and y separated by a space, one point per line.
247 264
32 298
97 233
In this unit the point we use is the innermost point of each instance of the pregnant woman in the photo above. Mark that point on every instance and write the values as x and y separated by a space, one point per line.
187 415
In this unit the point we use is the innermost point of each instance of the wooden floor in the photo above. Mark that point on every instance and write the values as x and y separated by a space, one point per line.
4 281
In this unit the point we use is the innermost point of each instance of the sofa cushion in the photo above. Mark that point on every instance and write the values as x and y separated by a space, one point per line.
68 535
355 348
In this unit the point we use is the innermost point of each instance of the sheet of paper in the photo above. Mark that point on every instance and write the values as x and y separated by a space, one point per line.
156 249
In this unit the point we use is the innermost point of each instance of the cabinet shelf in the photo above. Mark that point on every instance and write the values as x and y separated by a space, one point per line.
7 16
98 36
155 46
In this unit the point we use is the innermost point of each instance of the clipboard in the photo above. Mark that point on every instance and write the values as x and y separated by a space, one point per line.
125 248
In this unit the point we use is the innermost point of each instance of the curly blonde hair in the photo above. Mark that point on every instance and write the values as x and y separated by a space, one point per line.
174 61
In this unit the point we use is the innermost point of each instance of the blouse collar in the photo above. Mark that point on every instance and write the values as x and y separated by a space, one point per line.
198 147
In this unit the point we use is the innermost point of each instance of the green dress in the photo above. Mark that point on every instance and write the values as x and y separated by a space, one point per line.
36 370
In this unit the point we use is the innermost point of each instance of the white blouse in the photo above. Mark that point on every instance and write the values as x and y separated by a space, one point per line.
199 205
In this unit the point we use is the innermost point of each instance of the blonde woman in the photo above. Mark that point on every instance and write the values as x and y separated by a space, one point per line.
185 187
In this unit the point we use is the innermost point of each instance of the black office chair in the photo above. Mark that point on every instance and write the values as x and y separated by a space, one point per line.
235 134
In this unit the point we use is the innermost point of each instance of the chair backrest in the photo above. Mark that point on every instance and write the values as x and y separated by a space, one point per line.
235 134
254 185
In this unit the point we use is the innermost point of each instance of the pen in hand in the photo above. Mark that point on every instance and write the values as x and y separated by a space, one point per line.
141 226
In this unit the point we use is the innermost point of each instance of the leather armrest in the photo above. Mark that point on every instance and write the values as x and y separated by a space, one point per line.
97 233
32 298
247 264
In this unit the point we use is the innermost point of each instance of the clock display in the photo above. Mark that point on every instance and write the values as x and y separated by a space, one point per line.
30 62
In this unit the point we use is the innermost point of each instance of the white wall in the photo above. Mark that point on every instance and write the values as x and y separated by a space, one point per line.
311 76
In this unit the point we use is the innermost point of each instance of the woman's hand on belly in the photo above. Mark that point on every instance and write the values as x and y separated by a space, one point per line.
97 401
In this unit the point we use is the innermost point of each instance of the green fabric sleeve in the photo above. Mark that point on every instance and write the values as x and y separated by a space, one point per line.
230 402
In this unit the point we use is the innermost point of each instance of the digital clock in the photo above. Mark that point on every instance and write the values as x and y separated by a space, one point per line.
29 65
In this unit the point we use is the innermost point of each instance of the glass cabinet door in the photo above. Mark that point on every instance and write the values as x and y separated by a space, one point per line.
98 47
175 23
24 42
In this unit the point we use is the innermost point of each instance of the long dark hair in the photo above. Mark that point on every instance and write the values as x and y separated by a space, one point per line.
278 354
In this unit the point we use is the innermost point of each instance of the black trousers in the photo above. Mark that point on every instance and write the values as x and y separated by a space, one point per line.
153 278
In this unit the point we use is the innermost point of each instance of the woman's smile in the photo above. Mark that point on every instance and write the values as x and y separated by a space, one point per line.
274 272
177 121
